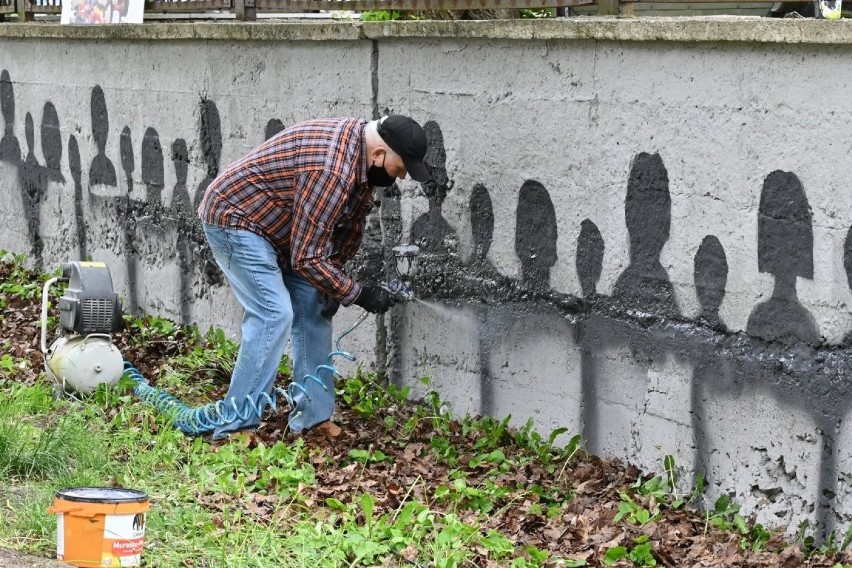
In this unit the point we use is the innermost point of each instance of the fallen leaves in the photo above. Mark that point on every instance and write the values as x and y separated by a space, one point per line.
567 509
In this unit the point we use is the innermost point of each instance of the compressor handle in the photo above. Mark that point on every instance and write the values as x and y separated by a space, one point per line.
106 336
44 296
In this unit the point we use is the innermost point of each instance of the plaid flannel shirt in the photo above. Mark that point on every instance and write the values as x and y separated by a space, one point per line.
304 190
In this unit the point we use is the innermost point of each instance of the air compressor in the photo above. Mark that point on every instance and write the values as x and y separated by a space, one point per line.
83 356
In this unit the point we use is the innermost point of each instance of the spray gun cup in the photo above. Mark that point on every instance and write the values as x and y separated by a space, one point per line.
405 261
405 265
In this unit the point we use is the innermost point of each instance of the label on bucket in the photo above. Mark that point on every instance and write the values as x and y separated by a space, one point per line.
60 536
123 540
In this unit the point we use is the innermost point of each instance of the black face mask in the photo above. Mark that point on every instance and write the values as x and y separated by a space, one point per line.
378 177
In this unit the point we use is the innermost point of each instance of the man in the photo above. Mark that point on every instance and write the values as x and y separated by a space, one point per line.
281 222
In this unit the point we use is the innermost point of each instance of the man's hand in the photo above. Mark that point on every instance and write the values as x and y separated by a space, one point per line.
329 306
375 299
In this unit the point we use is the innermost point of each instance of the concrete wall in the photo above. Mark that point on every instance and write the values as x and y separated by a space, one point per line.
639 229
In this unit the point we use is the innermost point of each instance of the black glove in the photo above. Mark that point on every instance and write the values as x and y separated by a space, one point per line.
329 306
375 299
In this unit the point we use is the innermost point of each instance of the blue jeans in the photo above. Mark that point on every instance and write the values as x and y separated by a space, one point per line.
279 304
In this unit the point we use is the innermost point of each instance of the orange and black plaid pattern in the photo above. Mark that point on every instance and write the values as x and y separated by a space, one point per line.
305 191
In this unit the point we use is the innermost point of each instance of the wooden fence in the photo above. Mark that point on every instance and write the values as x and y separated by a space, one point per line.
26 10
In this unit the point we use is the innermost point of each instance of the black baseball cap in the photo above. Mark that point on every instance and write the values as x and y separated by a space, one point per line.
408 140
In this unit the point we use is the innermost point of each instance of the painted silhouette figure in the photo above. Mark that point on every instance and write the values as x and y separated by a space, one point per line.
210 131
589 262
31 177
211 145
51 144
181 202
102 172
10 148
129 208
481 223
273 127
535 235
644 284
590 253
127 159
785 243
79 216
711 275
184 215
482 228
430 229
153 170
36 178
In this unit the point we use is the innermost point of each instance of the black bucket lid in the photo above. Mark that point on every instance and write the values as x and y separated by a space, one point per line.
102 495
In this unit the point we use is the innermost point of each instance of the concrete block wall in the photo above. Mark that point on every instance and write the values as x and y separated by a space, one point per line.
639 230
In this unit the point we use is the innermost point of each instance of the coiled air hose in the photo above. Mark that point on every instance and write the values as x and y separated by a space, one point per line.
205 418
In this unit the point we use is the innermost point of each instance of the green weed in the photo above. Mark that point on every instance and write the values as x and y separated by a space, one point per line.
20 281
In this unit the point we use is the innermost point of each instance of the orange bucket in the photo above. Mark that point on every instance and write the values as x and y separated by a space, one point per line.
100 526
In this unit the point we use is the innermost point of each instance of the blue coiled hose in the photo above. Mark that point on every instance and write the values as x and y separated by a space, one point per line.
201 419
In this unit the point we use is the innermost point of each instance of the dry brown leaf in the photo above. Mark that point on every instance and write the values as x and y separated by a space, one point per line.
328 429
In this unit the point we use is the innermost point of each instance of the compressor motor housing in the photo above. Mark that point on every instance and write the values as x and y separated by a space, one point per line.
89 304
84 357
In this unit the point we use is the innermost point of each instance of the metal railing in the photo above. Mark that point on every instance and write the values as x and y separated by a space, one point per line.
25 10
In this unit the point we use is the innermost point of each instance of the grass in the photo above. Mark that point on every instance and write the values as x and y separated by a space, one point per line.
235 506
409 487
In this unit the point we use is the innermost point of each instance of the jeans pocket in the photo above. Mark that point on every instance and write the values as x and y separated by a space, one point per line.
221 244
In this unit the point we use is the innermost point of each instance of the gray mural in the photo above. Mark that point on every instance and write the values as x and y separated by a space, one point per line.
781 355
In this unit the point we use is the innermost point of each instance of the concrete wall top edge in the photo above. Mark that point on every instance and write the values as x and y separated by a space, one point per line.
225 31
676 29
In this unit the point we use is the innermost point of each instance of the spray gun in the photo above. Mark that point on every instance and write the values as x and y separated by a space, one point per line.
405 264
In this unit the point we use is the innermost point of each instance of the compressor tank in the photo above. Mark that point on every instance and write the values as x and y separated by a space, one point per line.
84 363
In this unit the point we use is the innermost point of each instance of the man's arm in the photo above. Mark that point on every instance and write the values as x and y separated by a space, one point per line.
349 234
318 205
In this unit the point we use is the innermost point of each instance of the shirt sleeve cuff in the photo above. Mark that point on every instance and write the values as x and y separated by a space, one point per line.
352 295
